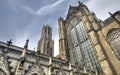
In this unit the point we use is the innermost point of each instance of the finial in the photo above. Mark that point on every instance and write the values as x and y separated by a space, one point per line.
92 12
110 13
26 44
70 6
79 2
60 18
9 42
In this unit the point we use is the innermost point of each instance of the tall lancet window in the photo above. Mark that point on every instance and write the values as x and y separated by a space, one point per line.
49 49
83 50
113 38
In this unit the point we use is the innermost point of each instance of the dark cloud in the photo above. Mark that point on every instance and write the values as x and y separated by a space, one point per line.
23 19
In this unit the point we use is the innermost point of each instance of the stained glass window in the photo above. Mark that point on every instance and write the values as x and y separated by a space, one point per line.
82 46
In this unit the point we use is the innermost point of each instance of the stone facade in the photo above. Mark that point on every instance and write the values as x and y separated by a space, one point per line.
21 61
89 42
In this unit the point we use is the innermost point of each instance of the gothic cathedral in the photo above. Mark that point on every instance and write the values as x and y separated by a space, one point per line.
87 46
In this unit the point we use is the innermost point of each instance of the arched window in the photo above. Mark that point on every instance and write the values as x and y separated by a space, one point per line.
113 38
49 49
48 45
2 72
81 45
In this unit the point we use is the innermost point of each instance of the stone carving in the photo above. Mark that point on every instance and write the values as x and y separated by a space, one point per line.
4 63
36 68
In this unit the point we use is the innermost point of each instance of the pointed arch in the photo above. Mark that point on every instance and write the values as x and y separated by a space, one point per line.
35 69
34 74
113 37
113 34
80 44
48 48
48 45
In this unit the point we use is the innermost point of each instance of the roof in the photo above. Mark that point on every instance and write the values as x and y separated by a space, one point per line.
111 19
108 20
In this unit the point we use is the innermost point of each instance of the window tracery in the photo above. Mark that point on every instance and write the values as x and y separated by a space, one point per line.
81 45
113 38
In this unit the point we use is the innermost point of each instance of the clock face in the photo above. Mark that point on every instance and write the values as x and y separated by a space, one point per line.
117 17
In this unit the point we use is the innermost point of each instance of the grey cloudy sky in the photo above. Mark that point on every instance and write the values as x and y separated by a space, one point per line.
23 19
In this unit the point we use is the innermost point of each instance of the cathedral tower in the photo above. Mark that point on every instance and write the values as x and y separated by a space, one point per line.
62 40
46 44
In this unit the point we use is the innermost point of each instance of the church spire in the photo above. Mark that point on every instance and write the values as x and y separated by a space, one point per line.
25 48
